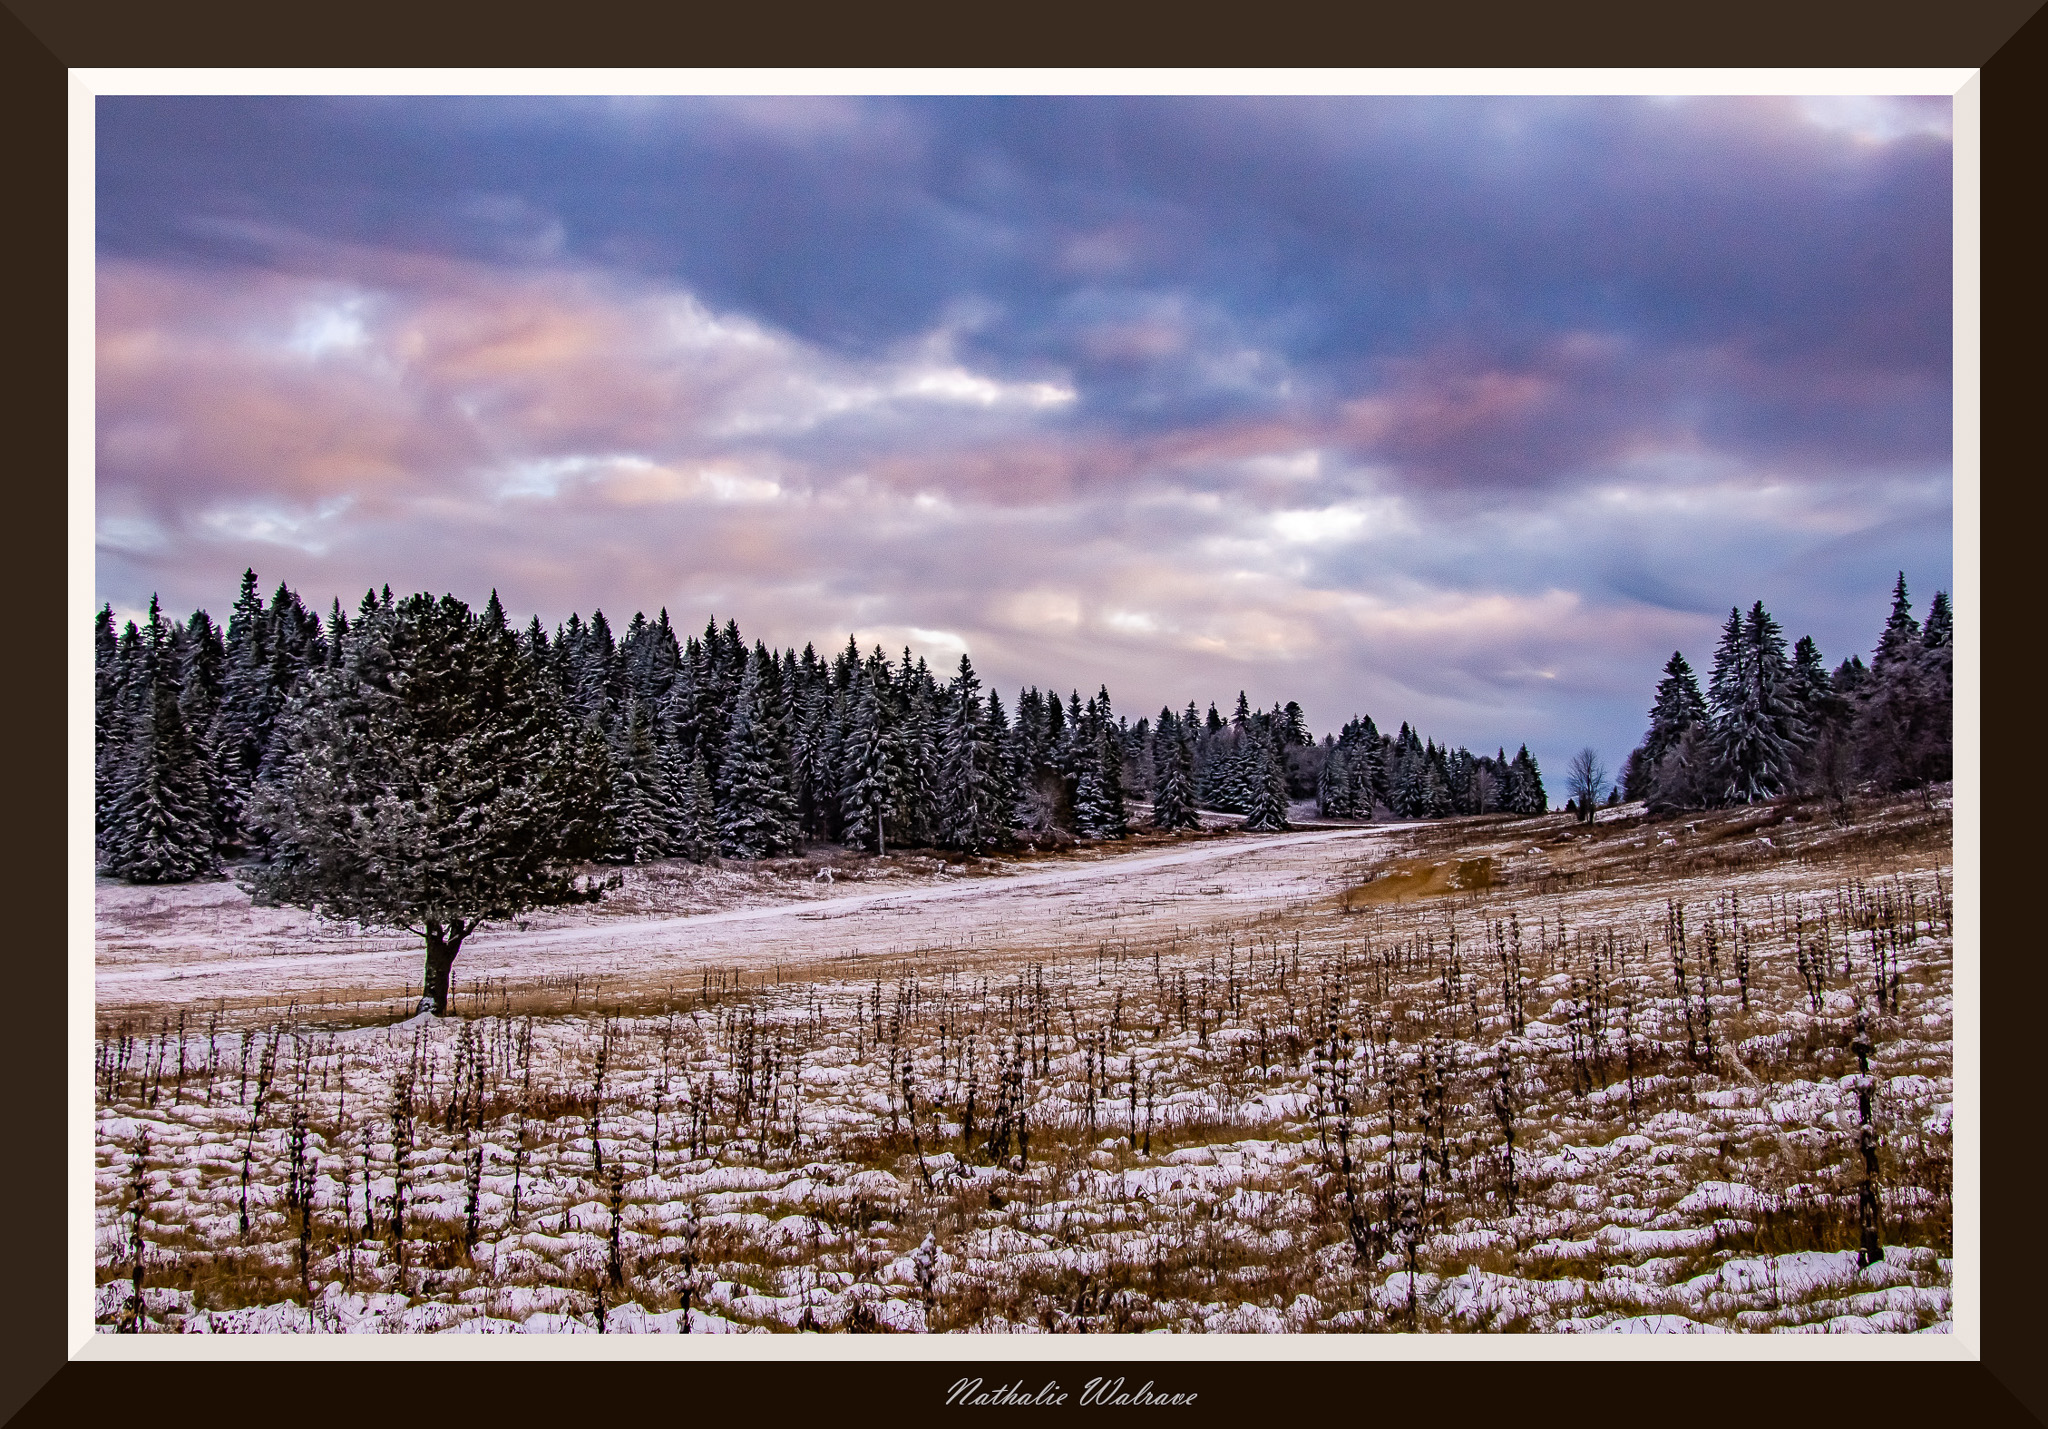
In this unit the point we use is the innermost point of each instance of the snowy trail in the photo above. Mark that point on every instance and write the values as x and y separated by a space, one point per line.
999 909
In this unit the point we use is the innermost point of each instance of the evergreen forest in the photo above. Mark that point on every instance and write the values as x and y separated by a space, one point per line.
218 745
1774 723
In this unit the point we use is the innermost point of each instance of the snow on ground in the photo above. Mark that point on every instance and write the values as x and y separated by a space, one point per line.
213 943
1188 1088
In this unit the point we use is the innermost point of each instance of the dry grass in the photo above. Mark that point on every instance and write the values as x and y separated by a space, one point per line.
1257 1121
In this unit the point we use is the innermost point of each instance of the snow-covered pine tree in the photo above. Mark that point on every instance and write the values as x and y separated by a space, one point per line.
433 780
1294 725
755 819
913 818
866 781
1904 706
1938 666
296 647
1676 707
1940 630
1113 750
1237 789
117 666
160 826
1002 786
1335 792
592 674
1526 795
1365 762
1436 783
970 819
1265 781
714 687
1026 742
242 721
694 832
201 660
778 717
1087 754
1406 778
1173 773
817 791
640 811
1755 732
1826 755
1072 739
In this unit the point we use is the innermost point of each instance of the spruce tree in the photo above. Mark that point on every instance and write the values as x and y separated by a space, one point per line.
640 810
1002 785
117 666
816 790
1173 774
916 813
970 817
1826 751
693 834
1336 794
1526 795
1436 783
1266 782
242 722
866 785
1904 706
431 781
1677 708
755 817
1756 733
1086 756
160 825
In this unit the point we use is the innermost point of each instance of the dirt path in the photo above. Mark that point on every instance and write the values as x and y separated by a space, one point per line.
1068 907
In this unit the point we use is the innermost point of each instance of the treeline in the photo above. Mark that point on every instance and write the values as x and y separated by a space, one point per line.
701 746
1772 724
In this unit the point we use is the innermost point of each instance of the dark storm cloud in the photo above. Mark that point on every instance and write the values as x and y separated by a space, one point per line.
1465 410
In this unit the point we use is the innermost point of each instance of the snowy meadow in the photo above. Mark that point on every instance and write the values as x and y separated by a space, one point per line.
1485 1074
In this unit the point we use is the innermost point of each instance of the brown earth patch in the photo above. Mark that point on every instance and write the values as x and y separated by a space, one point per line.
1406 881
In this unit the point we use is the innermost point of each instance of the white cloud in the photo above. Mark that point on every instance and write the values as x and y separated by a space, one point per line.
1880 119
329 327
312 532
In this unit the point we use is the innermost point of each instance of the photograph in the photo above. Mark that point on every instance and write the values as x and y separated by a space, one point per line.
1280 714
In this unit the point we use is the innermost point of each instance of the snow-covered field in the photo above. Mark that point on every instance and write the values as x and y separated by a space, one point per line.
1440 1078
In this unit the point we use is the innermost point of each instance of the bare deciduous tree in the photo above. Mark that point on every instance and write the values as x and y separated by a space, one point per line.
1586 781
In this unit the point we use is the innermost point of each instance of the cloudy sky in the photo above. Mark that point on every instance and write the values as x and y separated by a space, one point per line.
1460 411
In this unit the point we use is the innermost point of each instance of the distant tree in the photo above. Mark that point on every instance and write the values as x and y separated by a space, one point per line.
1097 772
1173 775
970 818
641 812
1002 779
1585 779
1335 792
1678 707
1365 765
1266 783
1526 795
755 817
432 780
1904 708
158 826
866 792
240 736
693 834
1756 732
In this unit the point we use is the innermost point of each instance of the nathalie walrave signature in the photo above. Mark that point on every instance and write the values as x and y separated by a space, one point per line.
1100 1390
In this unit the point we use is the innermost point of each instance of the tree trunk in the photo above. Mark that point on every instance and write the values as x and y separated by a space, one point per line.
443 943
